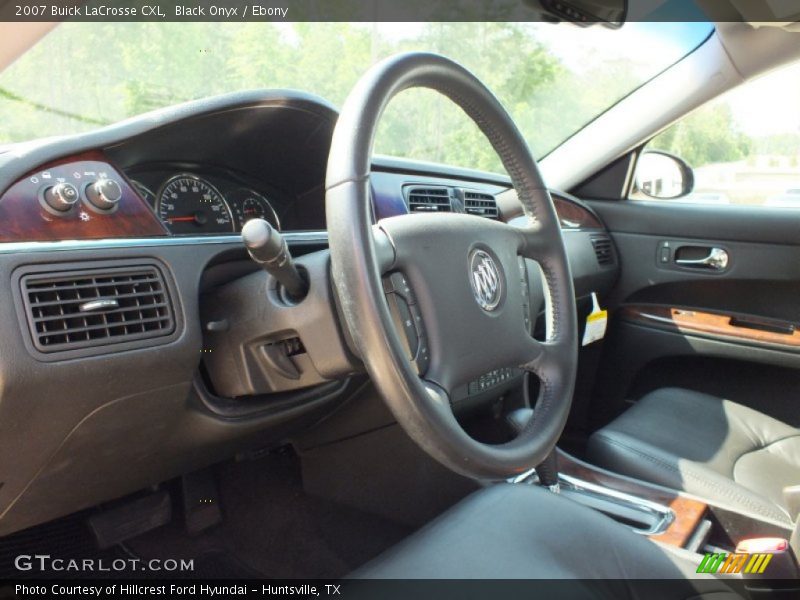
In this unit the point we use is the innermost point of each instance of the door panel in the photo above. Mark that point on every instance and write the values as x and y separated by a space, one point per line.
674 323
699 221
755 272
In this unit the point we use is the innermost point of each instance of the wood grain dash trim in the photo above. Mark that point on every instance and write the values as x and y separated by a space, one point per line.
573 216
24 219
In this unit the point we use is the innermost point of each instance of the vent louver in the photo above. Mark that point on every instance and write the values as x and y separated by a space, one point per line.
603 249
429 199
483 205
81 309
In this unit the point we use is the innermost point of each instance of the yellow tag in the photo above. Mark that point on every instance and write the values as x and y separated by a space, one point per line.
596 323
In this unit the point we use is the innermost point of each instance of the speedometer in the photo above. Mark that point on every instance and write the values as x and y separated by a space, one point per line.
191 205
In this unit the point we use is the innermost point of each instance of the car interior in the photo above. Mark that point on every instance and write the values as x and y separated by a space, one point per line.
307 360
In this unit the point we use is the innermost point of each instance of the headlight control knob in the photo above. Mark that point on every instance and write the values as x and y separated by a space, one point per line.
104 194
61 196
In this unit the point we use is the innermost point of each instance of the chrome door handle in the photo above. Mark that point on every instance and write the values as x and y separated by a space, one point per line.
717 260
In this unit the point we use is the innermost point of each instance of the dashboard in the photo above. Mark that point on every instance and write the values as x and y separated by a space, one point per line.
115 246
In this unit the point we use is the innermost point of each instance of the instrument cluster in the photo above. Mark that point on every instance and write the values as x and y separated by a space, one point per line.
193 202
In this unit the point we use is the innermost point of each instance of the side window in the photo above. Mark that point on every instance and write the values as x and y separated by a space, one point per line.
743 148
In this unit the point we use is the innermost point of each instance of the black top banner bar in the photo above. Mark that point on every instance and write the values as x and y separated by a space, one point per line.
612 13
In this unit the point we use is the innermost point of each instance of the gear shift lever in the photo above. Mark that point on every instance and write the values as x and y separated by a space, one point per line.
548 470
269 250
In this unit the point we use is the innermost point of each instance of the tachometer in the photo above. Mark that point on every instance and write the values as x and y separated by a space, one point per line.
248 204
191 205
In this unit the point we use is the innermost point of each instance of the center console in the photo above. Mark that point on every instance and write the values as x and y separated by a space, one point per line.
643 516
664 515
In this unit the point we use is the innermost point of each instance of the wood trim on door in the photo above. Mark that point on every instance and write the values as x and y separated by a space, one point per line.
715 324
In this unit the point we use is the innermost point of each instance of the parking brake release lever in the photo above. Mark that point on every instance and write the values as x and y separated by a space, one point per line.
268 249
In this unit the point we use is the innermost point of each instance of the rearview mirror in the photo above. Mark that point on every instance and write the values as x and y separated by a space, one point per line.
663 176
611 13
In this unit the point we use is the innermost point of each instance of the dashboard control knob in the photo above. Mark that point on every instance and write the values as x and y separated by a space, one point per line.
268 249
61 196
104 194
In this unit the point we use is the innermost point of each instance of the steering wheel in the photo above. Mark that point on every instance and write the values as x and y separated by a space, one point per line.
463 271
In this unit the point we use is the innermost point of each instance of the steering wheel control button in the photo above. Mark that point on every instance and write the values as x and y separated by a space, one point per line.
523 269
398 283
423 358
407 323
407 318
404 320
61 197
492 379
526 302
104 194
486 280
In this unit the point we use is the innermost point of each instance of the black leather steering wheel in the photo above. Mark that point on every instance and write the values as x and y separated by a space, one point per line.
464 272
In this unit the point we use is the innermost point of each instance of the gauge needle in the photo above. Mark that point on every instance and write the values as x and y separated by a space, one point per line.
182 219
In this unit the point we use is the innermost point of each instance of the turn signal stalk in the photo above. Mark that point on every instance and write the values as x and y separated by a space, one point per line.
269 250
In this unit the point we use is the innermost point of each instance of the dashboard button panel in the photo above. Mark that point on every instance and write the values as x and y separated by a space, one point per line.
78 198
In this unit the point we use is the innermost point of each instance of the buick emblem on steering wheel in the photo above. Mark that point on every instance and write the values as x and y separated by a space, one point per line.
487 284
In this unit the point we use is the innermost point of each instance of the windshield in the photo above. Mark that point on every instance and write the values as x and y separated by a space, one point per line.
554 79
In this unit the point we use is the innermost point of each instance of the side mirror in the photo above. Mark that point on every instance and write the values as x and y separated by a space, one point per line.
663 176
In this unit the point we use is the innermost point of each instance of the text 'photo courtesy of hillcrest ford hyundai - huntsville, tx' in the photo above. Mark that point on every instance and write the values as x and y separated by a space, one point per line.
377 299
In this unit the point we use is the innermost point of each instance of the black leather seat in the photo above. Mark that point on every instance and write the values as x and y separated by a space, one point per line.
525 532
712 448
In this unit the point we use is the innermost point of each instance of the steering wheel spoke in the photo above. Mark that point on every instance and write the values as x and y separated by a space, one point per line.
438 396
385 252
543 357
537 243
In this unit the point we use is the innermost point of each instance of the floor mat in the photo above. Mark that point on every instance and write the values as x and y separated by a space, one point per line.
68 538
272 529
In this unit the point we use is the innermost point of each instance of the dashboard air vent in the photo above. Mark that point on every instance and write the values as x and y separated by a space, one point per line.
483 205
603 249
429 199
80 309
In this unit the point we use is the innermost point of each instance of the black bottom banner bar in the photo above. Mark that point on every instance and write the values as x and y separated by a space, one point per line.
406 589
